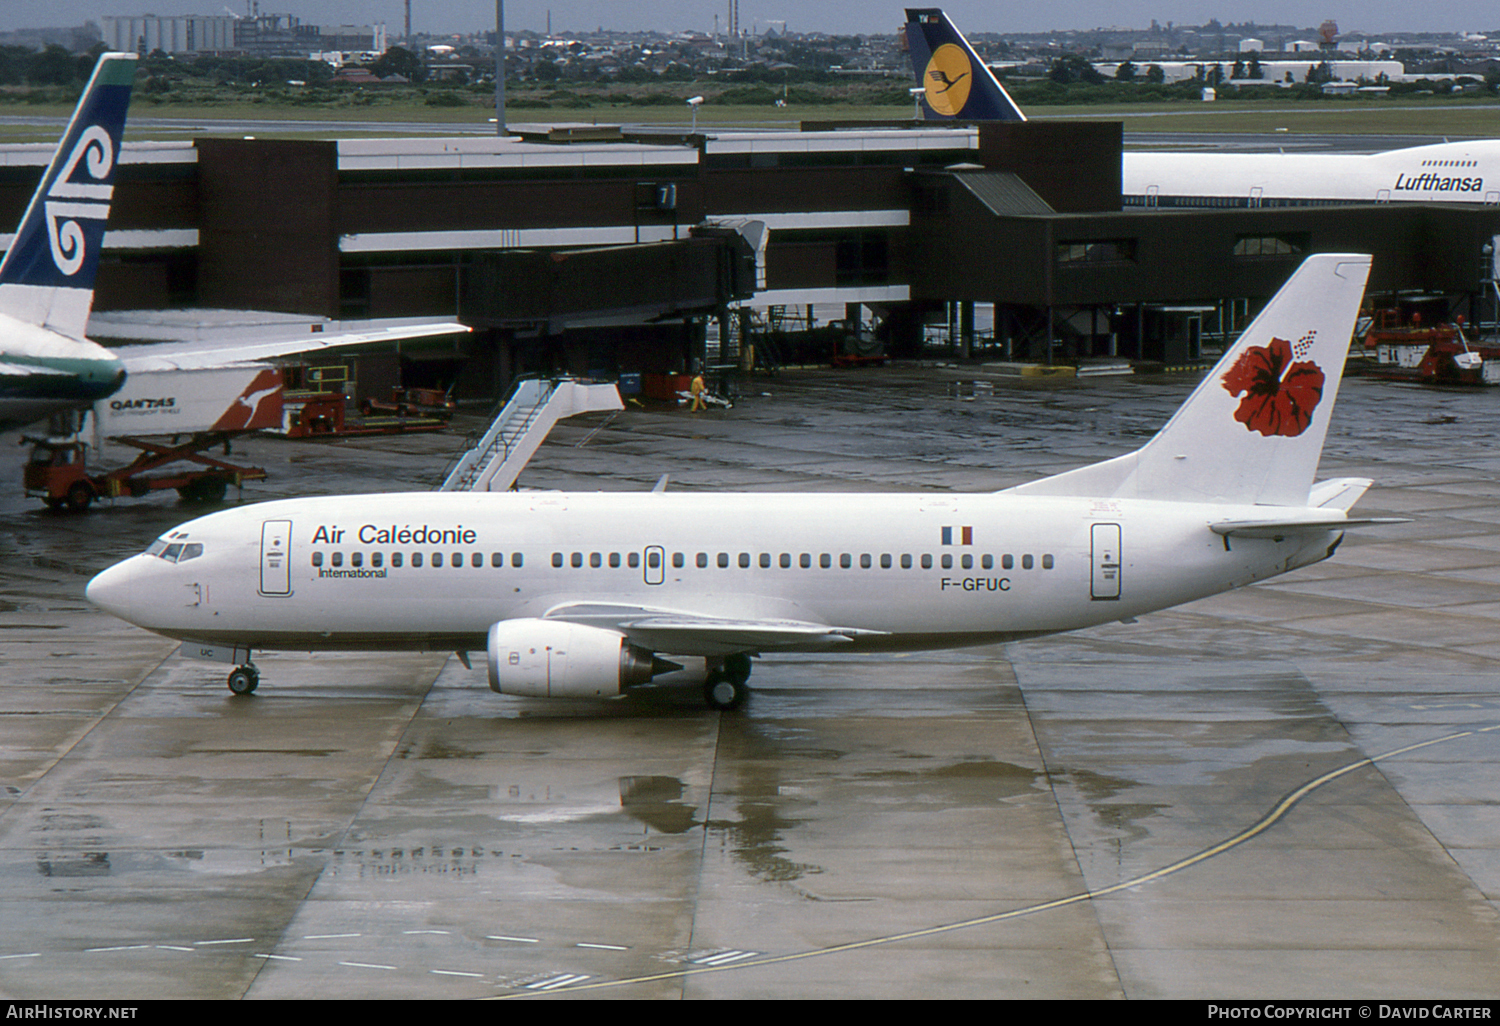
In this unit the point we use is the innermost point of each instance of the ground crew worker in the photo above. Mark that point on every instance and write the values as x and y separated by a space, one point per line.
696 389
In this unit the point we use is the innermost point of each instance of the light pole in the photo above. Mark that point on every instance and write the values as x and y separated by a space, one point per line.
500 68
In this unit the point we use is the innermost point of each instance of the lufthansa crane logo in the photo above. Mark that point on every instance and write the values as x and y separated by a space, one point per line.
68 201
948 77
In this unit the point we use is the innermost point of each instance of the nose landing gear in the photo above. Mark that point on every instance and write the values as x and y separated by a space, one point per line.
243 680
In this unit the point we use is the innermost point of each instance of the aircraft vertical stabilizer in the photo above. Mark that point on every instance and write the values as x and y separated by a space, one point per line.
959 86
1252 432
47 277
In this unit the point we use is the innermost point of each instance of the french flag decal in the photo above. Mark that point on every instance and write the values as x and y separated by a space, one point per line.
965 534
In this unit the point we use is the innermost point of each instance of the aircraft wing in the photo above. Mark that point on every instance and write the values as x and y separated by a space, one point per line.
167 356
680 633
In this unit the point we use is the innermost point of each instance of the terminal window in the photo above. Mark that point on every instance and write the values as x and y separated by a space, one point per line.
1097 251
1270 245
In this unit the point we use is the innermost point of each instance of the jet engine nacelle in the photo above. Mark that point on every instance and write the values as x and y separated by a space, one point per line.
554 659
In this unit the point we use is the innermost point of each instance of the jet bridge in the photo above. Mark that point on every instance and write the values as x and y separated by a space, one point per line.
493 463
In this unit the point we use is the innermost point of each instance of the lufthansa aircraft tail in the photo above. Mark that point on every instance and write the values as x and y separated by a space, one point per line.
47 277
1252 432
959 87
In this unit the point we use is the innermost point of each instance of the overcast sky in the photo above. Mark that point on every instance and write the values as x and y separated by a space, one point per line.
843 16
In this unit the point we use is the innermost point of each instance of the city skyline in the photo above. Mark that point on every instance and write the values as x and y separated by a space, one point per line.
831 16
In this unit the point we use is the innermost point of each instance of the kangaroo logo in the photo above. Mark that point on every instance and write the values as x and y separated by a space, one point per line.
68 201
948 78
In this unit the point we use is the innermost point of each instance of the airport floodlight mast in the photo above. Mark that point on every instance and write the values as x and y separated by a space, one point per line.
500 129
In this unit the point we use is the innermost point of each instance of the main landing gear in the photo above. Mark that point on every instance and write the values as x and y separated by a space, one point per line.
243 680
726 688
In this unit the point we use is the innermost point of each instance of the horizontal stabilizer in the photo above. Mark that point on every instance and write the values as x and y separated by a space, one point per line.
16 370
1279 529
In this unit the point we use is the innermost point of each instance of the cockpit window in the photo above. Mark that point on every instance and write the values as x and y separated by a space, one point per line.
175 552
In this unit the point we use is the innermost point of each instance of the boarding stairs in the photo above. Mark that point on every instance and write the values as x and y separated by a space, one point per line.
494 462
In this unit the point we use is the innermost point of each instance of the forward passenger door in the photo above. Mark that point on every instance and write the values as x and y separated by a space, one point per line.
275 557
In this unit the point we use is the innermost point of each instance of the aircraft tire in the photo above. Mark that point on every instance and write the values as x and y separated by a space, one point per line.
723 692
243 680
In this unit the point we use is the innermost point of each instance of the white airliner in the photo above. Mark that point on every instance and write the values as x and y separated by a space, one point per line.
958 86
47 365
1461 172
590 594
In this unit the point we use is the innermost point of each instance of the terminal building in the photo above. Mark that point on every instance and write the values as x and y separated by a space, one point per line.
594 250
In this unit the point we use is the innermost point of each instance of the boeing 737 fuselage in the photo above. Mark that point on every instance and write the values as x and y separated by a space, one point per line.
590 594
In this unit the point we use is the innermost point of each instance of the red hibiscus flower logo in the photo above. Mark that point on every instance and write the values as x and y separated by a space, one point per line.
1279 395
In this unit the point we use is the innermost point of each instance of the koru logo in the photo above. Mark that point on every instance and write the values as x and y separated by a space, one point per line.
947 80
69 201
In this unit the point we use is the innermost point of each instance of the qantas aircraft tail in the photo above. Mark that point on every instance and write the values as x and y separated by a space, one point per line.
1252 432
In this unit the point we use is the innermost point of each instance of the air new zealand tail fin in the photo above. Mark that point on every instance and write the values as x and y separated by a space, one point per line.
959 85
1252 432
47 277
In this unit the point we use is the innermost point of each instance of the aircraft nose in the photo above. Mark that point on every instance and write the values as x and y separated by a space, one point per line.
111 591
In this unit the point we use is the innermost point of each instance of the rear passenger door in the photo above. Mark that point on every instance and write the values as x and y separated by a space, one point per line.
1105 582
